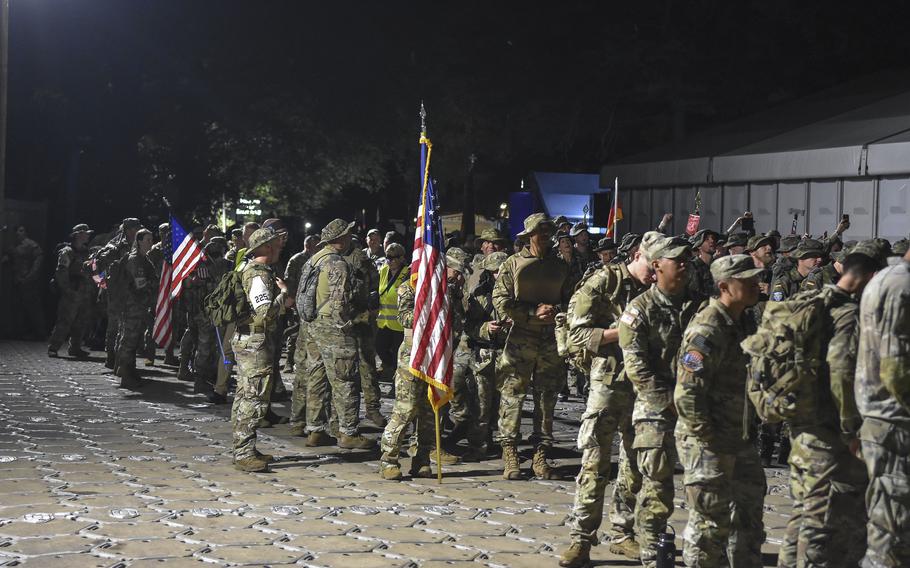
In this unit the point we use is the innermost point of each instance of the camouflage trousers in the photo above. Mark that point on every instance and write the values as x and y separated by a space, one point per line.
886 451
369 375
411 406
133 322
529 361
198 345
72 313
111 335
485 397
462 395
304 348
337 370
609 410
655 449
725 493
223 372
251 400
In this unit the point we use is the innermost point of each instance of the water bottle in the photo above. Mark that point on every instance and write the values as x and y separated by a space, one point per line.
666 549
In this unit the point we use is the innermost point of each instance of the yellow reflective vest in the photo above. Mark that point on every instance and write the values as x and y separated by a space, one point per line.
388 297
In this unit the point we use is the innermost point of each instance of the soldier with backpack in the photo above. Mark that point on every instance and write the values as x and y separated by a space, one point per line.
592 318
109 262
714 432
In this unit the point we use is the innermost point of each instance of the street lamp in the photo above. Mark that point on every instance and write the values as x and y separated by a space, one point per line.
307 226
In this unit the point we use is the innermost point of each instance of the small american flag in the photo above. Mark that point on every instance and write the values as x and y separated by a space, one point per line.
431 351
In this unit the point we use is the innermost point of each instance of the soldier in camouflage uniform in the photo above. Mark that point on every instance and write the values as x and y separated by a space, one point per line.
292 278
784 262
463 394
156 257
808 255
704 245
821 276
335 341
297 351
76 289
533 286
724 479
411 402
827 481
108 260
737 243
140 289
650 333
594 311
883 400
267 299
367 301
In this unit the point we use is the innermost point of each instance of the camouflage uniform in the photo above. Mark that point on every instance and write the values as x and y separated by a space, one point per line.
724 479
76 290
109 259
883 400
253 351
140 290
786 285
296 345
200 333
463 394
366 300
650 333
292 280
700 281
596 306
827 482
529 358
819 277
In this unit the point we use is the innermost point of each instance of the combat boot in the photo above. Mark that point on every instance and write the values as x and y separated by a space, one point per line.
445 457
389 471
626 546
268 458
458 433
376 418
539 464
216 398
510 468
184 373
356 442
297 430
421 469
317 439
77 353
171 360
252 464
110 360
129 379
576 556
52 353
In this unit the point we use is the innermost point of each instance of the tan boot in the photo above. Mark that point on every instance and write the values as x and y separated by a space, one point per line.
390 471
297 430
421 470
252 464
510 463
357 442
446 457
376 418
316 439
539 464
626 546
576 556
267 458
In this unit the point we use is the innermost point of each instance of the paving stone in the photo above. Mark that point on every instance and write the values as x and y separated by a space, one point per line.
362 560
227 536
305 527
130 531
57 526
50 545
254 555
319 544
148 548
424 552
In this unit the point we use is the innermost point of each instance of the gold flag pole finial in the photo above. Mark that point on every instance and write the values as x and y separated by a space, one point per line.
423 118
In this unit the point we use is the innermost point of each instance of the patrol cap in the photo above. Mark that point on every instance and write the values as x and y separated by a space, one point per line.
739 266
649 241
336 229
394 250
535 222
605 244
81 228
457 259
669 247
872 249
737 240
261 237
494 261
899 248
578 229
788 244
758 241
699 238
131 223
809 248
490 235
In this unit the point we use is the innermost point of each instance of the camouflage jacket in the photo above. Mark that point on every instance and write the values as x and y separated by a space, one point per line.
338 292
711 372
782 264
883 361
597 305
526 281
266 302
71 274
700 280
366 298
819 277
293 269
480 311
139 283
650 333
786 285
201 283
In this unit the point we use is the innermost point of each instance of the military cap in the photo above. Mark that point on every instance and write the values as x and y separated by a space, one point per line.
164 227
789 243
649 241
336 229
739 266
667 247
737 240
628 242
219 240
885 244
899 248
275 224
494 261
131 223
560 220
605 244
722 239
809 248
261 237
698 238
773 233
491 235
373 232
873 249
534 222
394 249
758 241
81 228
578 229
457 259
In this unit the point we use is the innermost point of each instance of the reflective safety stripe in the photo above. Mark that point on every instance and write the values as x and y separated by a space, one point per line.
388 301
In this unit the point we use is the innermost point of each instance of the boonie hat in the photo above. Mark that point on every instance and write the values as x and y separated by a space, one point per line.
494 261
699 238
759 241
577 229
534 222
491 235
809 248
261 237
605 244
739 266
336 229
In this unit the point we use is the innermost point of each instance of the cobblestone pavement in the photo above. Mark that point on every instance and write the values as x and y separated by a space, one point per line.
91 475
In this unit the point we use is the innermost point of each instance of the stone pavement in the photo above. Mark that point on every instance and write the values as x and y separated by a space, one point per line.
91 475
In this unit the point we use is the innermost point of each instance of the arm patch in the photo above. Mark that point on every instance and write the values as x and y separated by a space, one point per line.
693 361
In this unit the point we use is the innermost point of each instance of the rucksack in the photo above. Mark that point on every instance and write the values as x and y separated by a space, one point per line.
785 352
227 303
306 290
578 356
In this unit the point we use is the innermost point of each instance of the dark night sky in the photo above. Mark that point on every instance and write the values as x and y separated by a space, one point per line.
113 100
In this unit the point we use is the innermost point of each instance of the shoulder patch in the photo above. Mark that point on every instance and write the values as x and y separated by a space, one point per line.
700 342
630 317
259 292
777 296
693 361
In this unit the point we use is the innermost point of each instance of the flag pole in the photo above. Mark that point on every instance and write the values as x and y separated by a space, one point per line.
438 444
615 226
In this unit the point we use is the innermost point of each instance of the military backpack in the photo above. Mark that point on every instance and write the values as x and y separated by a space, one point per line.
227 303
306 290
785 352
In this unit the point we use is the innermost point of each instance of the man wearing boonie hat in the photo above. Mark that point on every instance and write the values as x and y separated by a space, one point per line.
253 347
74 285
784 263
704 245
761 249
650 332
808 255
827 479
736 243
582 239
533 286
606 250
723 471
490 241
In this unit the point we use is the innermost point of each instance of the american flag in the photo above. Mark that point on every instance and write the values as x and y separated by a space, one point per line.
431 351
181 256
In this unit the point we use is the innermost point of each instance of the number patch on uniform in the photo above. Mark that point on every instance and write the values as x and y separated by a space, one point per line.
693 361
259 293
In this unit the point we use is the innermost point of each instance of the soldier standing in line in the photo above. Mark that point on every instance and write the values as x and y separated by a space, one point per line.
411 402
75 289
463 395
139 291
761 249
533 286
724 479
26 256
808 255
704 245
737 242
292 279
650 333
109 260
253 347
582 240
593 317
883 400
156 257
784 262
366 302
